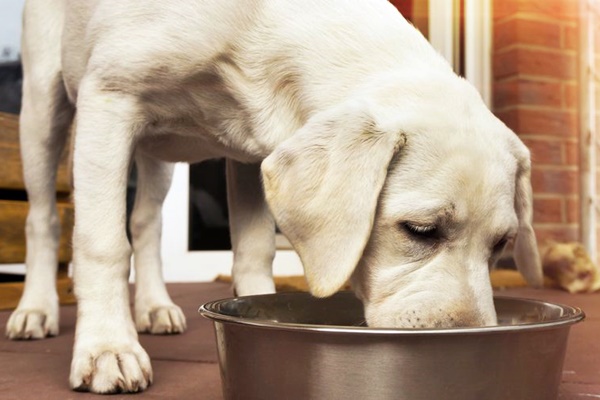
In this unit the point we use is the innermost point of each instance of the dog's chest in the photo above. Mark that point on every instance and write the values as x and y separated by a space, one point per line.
221 111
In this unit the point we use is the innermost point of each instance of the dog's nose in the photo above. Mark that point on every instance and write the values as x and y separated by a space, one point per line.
462 314
463 319
431 313
466 315
436 318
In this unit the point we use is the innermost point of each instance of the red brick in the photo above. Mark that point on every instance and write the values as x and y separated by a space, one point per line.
556 9
572 153
535 44
505 64
537 62
524 31
548 210
505 34
564 233
570 37
572 210
527 92
504 9
545 152
570 95
509 117
559 9
552 181
505 94
556 123
540 122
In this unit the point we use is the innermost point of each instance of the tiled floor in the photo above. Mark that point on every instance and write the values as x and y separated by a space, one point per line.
185 366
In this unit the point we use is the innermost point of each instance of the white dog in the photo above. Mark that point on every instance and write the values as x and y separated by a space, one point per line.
378 163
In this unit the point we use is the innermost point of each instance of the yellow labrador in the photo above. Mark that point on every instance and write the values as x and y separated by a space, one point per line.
377 162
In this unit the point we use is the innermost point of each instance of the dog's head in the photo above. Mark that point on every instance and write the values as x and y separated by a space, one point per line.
414 196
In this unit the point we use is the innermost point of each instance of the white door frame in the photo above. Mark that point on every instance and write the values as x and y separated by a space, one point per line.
478 46
182 265
443 30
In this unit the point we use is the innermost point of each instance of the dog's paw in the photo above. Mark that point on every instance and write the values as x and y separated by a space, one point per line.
161 320
110 369
26 324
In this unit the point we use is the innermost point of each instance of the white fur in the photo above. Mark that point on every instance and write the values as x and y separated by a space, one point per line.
363 128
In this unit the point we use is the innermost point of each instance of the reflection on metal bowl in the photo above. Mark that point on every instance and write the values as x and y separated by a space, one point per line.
294 346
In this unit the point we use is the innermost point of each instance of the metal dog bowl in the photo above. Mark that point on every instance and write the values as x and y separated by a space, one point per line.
291 346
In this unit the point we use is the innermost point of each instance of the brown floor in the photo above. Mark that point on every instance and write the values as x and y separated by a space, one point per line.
185 366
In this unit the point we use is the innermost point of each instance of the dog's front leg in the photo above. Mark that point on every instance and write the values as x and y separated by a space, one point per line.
155 312
252 230
107 356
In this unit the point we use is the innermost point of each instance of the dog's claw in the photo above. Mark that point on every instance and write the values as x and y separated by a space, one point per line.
111 371
161 320
26 324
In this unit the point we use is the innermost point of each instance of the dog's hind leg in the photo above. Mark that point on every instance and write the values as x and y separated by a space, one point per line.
252 230
155 312
44 122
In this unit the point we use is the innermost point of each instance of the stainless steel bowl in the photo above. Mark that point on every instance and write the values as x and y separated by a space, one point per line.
290 346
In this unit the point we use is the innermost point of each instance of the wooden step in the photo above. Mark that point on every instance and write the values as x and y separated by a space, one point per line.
12 231
11 173
10 292
13 214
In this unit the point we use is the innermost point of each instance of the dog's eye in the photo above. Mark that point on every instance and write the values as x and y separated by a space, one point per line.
499 246
420 231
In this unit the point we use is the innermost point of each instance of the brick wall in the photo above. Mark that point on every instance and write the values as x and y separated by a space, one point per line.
535 64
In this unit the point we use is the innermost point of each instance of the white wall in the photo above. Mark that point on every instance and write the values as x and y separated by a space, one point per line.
10 28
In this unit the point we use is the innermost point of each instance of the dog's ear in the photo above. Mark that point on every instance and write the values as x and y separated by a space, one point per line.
323 185
526 251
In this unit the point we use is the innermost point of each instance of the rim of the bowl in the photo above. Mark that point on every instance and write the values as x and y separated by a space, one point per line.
574 315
